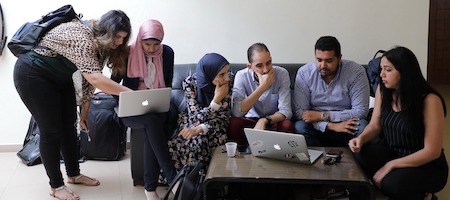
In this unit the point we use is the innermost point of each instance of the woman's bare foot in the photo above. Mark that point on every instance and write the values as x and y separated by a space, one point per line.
64 193
83 180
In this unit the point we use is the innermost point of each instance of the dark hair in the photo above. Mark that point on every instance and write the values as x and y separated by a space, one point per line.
255 47
412 87
105 30
328 43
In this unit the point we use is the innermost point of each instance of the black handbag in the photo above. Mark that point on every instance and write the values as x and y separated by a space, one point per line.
30 154
190 178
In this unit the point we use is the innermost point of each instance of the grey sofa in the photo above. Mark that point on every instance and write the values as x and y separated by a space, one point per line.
181 71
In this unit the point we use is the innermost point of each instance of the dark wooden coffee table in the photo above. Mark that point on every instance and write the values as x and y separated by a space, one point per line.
247 168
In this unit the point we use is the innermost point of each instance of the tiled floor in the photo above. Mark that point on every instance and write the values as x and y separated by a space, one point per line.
20 182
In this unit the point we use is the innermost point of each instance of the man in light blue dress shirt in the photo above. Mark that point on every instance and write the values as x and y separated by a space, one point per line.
261 96
331 97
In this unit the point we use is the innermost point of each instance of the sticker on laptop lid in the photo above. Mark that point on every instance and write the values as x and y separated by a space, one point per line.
302 156
289 156
261 151
293 144
257 143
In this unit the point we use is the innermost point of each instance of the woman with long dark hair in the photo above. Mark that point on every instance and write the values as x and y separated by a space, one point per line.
43 79
408 116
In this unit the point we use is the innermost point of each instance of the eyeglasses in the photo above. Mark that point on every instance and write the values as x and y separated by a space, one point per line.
332 160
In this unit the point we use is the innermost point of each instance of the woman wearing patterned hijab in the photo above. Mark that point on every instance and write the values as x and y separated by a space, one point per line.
203 124
150 65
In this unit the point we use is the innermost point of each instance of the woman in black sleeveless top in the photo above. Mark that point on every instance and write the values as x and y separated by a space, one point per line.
408 117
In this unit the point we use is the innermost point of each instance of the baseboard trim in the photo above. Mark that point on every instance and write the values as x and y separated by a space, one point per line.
18 147
10 148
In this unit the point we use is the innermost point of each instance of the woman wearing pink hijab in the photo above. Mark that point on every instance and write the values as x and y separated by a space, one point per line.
150 65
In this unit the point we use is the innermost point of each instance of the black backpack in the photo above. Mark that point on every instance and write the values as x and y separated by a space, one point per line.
373 72
30 33
106 137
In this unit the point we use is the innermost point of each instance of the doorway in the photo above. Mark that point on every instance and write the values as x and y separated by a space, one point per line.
438 70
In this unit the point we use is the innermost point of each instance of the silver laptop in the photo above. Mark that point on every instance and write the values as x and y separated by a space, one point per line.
139 102
281 146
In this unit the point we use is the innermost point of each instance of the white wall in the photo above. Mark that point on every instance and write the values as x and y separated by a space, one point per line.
290 28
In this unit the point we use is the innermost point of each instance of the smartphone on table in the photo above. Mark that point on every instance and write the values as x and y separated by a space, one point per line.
334 153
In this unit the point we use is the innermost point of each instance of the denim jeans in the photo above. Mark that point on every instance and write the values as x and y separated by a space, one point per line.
156 150
329 138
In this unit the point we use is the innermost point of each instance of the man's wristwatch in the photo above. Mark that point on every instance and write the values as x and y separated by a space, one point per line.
325 116
269 119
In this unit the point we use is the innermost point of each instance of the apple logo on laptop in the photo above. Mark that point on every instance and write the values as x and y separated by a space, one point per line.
277 146
145 103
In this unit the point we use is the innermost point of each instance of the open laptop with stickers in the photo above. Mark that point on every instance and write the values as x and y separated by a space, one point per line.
281 146
139 102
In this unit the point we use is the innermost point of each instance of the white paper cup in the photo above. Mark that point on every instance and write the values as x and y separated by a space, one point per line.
231 148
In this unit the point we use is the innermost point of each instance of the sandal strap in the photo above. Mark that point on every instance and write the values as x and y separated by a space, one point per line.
64 187
81 176
88 181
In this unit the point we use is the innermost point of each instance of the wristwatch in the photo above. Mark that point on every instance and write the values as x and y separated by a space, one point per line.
325 116
269 119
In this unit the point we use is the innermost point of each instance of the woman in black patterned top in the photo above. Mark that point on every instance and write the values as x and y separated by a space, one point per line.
203 124
409 161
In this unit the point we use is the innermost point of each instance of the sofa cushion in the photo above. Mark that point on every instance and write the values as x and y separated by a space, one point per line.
181 72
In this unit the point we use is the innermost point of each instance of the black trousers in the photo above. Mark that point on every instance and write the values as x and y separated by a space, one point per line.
156 150
403 183
52 103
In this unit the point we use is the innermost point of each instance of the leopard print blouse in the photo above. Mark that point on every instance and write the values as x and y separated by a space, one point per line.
74 41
